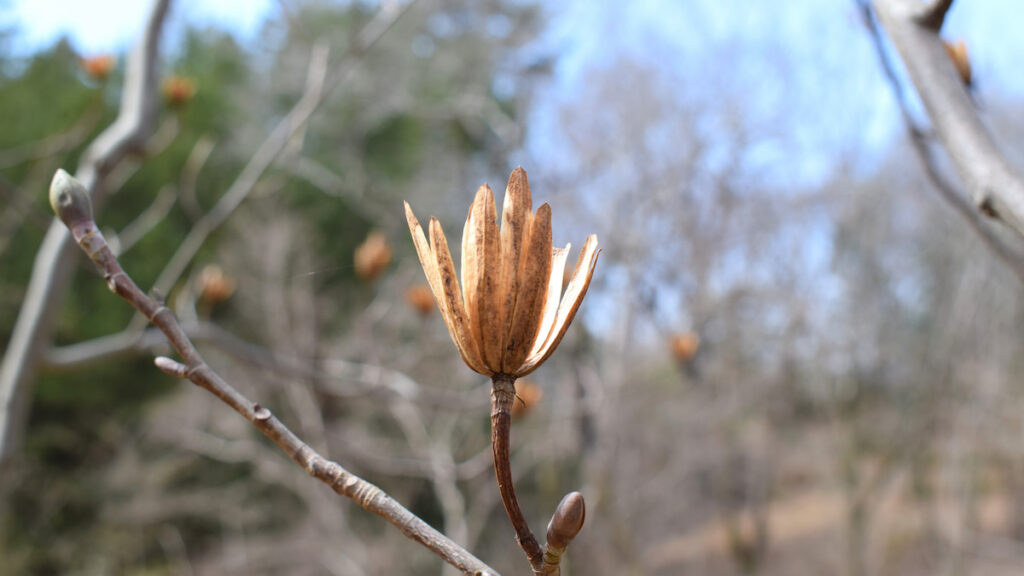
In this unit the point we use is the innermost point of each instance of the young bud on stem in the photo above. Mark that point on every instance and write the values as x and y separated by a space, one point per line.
70 202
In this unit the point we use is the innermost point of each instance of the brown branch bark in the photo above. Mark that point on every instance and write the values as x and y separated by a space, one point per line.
48 281
71 203
503 393
995 186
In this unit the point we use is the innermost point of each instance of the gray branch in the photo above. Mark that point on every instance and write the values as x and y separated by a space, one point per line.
995 186
920 141
50 271
71 204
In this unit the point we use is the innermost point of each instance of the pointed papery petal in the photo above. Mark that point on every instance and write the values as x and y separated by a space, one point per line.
516 214
481 278
467 275
466 256
427 259
452 295
533 289
547 322
570 303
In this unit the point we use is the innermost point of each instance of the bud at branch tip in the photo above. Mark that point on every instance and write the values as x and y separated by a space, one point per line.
70 200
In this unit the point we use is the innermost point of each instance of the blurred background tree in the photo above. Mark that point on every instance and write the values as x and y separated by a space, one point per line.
795 358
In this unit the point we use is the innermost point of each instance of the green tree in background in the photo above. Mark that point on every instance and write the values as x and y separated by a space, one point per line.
395 128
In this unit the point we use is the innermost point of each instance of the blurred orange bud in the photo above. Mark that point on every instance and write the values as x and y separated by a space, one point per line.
178 90
684 346
957 52
421 298
214 285
98 67
372 256
528 395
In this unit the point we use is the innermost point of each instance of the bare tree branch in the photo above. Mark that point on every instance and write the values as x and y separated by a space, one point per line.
144 223
933 13
919 138
995 186
371 378
292 124
57 143
51 268
71 203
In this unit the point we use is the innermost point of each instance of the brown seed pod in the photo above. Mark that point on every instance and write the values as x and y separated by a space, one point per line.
420 298
178 90
528 395
214 285
372 256
98 67
684 346
515 311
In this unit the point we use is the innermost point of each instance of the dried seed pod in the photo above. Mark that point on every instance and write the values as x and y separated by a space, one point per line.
684 346
372 256
214 285
528 395
511 312
420 298
178 90
98 67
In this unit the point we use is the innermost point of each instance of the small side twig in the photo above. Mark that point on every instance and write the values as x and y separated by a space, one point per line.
70 201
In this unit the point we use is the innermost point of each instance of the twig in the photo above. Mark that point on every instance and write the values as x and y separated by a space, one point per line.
144 223
52 264
371 377
57 143
441 466
995 186
567 520
918 137
71 203
503 394
190 176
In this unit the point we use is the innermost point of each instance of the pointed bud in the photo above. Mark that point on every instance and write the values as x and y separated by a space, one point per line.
70 201
567 521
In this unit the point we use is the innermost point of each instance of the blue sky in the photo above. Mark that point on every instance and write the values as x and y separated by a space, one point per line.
830 93
97 26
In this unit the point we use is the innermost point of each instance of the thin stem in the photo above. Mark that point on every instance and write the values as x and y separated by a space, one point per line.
503 393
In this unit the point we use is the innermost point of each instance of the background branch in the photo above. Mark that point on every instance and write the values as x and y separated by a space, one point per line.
52 264
318 87
920 141
995 186
71 202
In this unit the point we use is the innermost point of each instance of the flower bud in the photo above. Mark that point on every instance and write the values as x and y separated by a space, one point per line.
567 521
